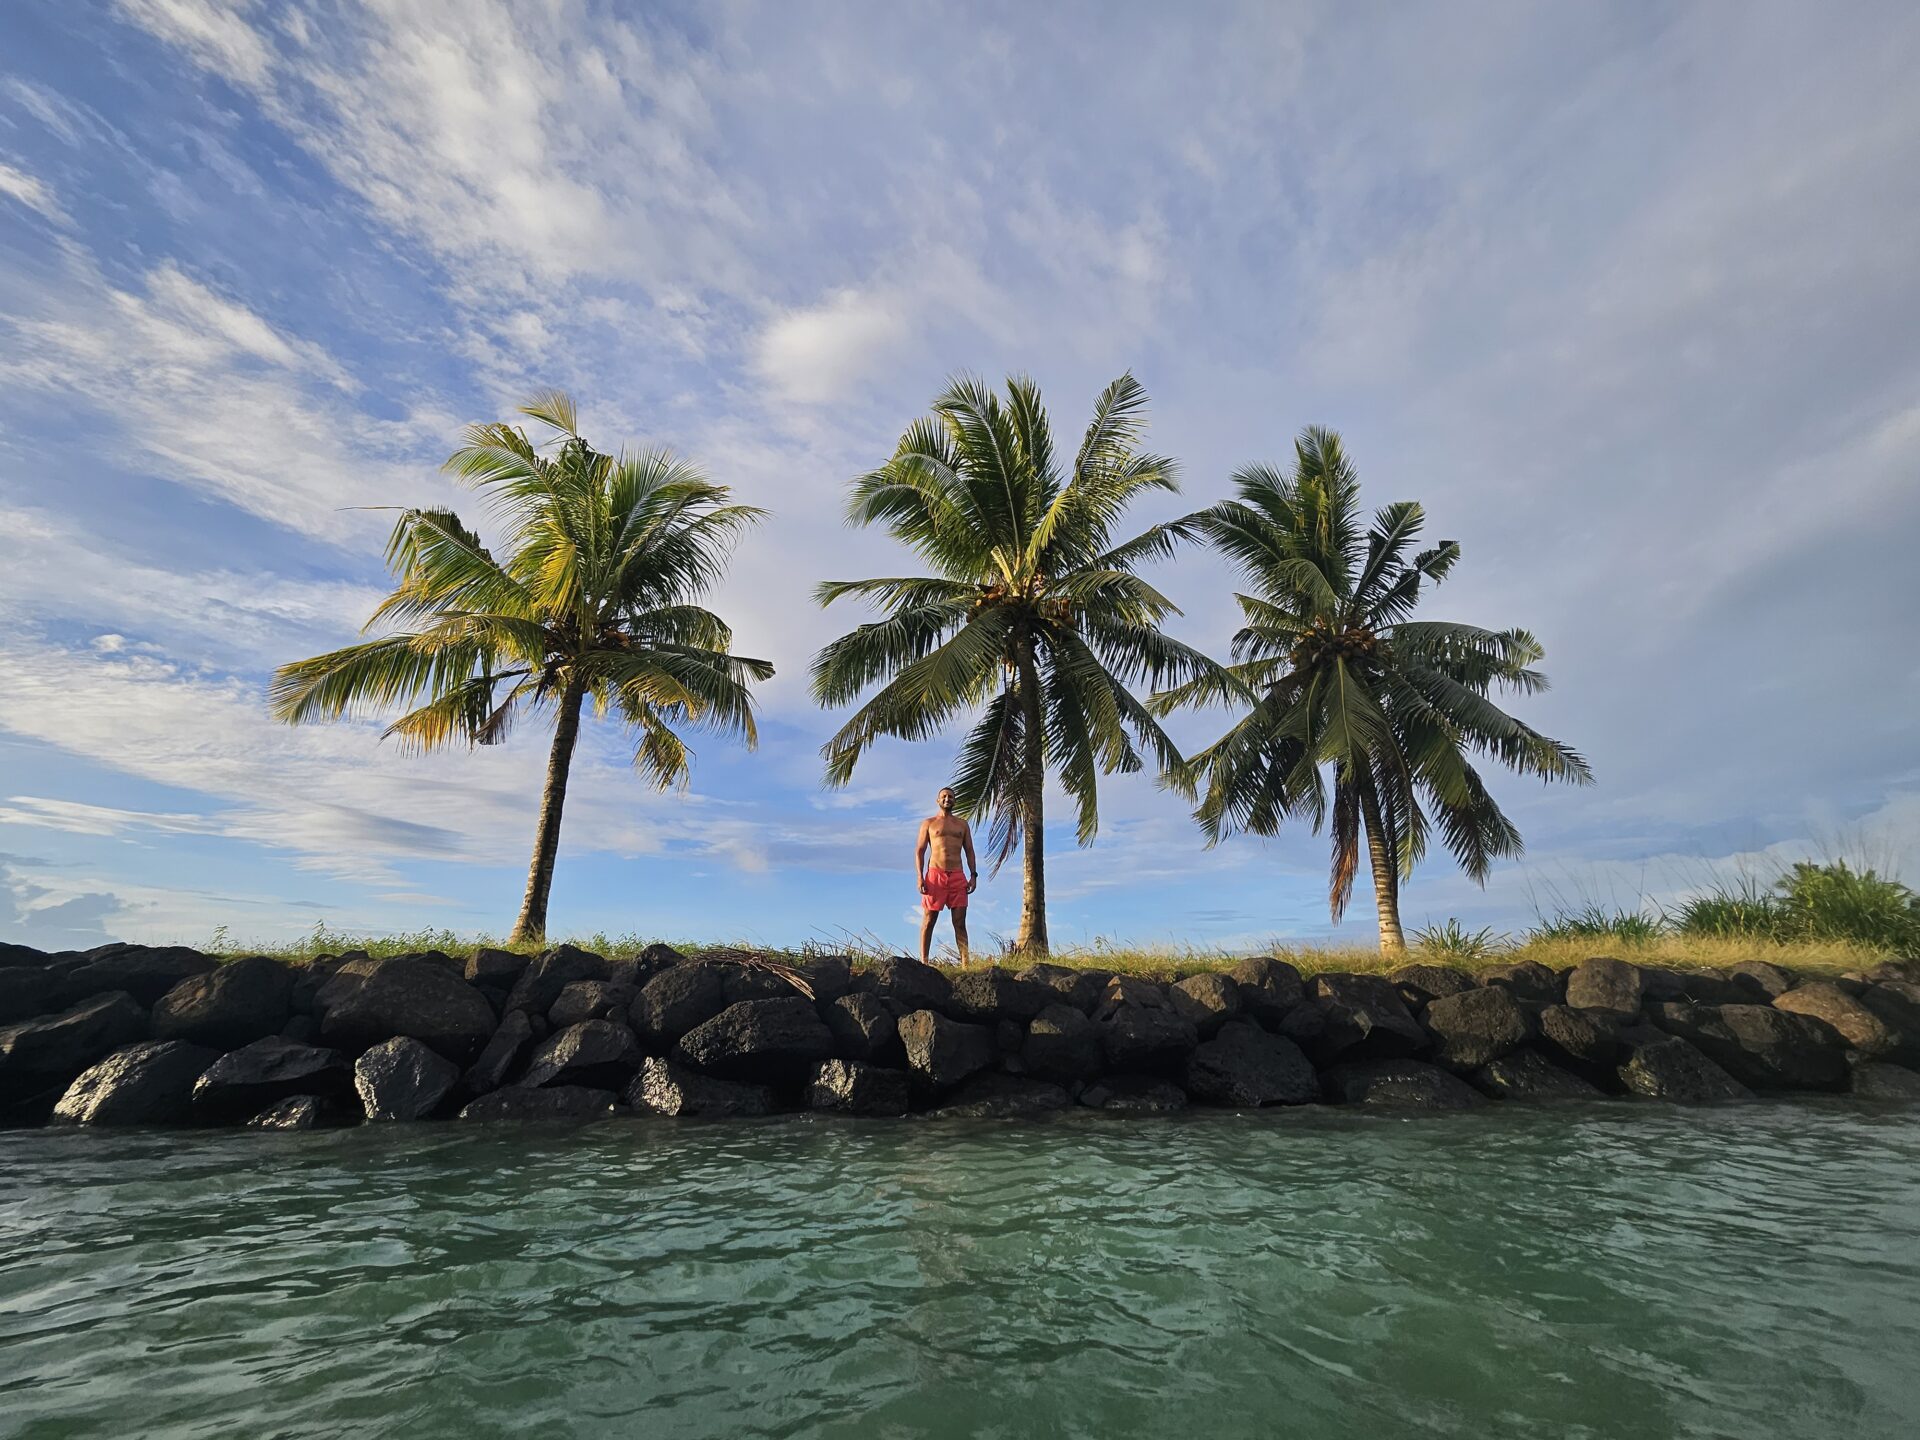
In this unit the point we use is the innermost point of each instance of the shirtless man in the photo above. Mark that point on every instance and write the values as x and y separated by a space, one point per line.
948 837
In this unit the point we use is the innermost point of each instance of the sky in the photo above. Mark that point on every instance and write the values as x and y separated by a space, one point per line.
1624 294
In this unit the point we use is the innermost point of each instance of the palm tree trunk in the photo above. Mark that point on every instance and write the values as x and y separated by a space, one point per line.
531 927
1386 873
1033 840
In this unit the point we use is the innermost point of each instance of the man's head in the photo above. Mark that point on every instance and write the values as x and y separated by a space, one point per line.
945 800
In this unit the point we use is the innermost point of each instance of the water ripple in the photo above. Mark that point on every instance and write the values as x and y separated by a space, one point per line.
1617 1271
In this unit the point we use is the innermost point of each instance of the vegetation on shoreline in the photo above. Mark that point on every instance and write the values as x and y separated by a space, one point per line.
1816 919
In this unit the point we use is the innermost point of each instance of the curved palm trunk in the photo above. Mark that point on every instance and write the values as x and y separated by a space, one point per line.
531 927
1033 857
1386 874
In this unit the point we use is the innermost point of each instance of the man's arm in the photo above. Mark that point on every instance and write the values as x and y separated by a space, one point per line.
920 859
973 865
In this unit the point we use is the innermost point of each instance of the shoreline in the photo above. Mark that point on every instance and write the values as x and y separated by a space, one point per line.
142 1035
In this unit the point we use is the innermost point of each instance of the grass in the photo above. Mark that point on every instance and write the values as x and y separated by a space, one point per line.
1813 919
1466 950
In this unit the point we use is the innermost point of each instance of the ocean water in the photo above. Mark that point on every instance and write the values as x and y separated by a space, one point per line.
1622 1270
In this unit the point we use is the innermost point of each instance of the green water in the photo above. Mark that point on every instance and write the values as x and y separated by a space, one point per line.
1625 1271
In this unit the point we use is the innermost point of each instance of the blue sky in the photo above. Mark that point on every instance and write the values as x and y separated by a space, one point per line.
1624 294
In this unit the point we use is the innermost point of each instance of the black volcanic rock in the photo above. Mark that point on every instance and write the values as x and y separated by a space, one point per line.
863 1028
1209 1000
1139 1094
255 1076
987 996
942 1052
768 1041
994 1096
146 972
676 1000
1063 1045
1529 1075
597 1054
407 995
907 984
663 1088
1672 1069
501 1053
1244 1066
229 1006
1137 1038
401 1079
1401 1084
550 972
150 1083
1604 983
1477 1026
851 1087
550 1103
50 1050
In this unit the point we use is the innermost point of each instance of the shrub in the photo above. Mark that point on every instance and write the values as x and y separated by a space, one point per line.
1837 902
1592 922
1456 942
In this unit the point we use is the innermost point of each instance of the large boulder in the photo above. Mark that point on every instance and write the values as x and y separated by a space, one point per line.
401 1079
942 1052
1876 1080
1062 1045
1586 1040
229 1006
1771 1049
769 1041
494 972
863 1028
1364 1018
1244 1066
1398 1084
1130 992
1142 1039
740 981
1421 985
14 955
590 1000
550 972
49 1051
1134 1094
300 1112
1604 983
1531 983
501 1054
253 1077
663 1088
1081 989
1849 1018
1529 1075
547 1102
146 972
29 990
1269 988
597 1054
989 996
1897 1006
150 1083
1673 1069
1209 1000
676 1000
1478 1026
407 995
1764 982
851 1087
905 984
995 1096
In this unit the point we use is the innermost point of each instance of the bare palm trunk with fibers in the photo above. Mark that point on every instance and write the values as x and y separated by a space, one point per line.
1033 857
1386 874
531 927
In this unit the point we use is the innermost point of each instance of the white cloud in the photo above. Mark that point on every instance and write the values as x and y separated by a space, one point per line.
31 192
215 32
817 355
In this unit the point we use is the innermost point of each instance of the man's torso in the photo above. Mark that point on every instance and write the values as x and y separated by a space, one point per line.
946 842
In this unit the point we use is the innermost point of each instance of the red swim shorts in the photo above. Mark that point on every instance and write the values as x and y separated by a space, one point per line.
946 890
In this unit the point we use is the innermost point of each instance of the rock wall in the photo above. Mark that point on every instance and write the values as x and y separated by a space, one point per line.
140 1035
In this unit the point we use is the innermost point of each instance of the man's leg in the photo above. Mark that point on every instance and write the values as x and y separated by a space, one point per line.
960 933
927 922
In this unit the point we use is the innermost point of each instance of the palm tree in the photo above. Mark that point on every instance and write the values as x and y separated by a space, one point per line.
594 599
1032 612
1336 674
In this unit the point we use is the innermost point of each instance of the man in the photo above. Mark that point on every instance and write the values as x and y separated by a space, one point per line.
944 838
